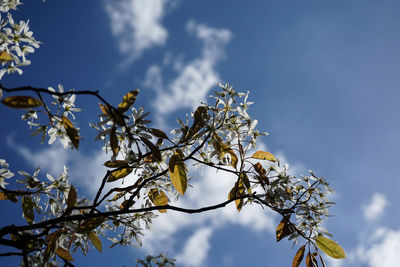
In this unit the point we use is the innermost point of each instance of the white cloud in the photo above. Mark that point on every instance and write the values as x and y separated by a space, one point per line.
137 25
196 248
196 78
375 208
383 249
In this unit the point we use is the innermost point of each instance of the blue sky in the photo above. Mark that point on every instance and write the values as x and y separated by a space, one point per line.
324 77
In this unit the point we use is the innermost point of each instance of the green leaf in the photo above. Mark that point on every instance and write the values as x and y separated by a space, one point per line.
264 155
72 133
128 100
177 173
159 198
27 208
284 229
330 247
95 240
298 257
118 174
21 102
63 253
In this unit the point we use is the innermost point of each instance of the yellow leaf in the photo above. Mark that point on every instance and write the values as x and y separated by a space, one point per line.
5 56
298 257
95 240
114 141
71 199
237 191
104 109
284 229
21 102
63 253
72 133
115 163
128 100
27 208
222 149
118 174
159 198
330 247
177 173
263 155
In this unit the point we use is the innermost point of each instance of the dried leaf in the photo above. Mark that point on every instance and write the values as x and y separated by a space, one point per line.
118 174
21 102
159 198
177 173
128 100
9 196
27 209
330 247
63 253
72 133
90 224
298 257
311 261
104 109
264 155
237 191
222 149
95 240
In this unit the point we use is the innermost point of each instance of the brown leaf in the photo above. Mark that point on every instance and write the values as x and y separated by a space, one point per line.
63 253
311 261
156 152
177 173
158 133
71 199
90 224
22 102
9 196
115 163
27 208
237 191
104 109
298 257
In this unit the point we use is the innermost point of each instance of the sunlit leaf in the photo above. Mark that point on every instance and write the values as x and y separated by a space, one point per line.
284 229
5 56
104 109
114 141
21 102
298 257
128 100
72 133
311 261
330 247
223 148
71 199
159 198
115 163
95 240
118 174
126 204
238 190
156 152
264 155
63 253
27 208
177 173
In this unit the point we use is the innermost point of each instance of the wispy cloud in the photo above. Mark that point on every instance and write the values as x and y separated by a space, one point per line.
137 25
376 207
195 78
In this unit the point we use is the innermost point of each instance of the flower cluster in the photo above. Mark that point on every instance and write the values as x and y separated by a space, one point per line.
16 40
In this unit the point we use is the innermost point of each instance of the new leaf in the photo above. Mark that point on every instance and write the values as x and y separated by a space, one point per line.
21 102
177 173
330 247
